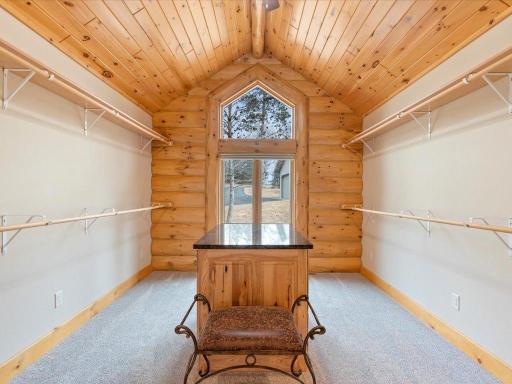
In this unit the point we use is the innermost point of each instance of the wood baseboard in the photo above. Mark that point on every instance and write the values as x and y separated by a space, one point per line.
22 360
174 263
334 264
487 360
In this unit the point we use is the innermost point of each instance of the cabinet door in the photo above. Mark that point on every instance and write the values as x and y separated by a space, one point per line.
231 283
275 283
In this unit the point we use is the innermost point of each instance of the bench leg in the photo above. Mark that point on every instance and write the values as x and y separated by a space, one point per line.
207 370
310 367
190 365
292 367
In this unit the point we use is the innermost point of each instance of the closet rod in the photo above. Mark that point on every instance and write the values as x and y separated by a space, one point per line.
29 63
477 73
492 228
45 223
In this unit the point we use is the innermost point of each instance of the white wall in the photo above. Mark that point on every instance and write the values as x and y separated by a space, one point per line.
49 167
465 170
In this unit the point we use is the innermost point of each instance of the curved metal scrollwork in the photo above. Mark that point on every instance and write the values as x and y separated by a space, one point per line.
250 359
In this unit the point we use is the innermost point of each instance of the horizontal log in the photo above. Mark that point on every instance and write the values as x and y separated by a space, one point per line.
196 136
178 167
179 216
327 232
336 249
335 121
316 265
333 200
250 59
163 247
166 119
331 216
336 169
180 152
187 104
181 199
323 265
335 184
177 231
285 72
206 87
327 104
322 136
331 152
230 72
174 263
178 183
285 147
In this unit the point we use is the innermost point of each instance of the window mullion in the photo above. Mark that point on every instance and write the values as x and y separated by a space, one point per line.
256 191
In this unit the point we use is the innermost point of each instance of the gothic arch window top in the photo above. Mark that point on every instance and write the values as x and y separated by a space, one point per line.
257 114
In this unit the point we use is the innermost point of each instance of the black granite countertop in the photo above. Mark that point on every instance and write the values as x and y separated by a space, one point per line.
253 236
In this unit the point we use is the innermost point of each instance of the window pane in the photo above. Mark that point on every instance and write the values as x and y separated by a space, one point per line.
276 191
257 115
238 191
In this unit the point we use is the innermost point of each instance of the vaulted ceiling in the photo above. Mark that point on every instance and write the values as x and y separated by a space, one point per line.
362 52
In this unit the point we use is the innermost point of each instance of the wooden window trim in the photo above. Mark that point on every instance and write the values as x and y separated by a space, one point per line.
216 146
257 201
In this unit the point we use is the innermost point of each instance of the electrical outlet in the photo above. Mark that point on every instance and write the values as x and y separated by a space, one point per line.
456 302
58 298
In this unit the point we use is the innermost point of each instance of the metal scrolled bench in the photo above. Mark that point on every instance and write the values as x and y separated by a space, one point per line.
250 331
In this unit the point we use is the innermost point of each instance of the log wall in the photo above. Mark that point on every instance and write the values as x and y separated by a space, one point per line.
335 175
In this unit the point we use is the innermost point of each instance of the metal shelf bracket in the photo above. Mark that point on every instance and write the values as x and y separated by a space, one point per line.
144 145
365 143
88 223
89 124
425 226
506 98
6 97
428 126
500 237
5 238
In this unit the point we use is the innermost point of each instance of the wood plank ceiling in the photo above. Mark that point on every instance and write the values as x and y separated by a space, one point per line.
361 51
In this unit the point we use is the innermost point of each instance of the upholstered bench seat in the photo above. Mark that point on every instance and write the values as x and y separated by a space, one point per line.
250 331
250 328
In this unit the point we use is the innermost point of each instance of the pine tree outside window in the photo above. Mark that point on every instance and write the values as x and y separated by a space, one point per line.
257 190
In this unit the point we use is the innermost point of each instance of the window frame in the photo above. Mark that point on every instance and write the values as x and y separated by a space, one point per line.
257 198
256 84
297 148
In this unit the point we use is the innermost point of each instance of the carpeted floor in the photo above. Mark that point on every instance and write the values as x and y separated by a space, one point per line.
370 340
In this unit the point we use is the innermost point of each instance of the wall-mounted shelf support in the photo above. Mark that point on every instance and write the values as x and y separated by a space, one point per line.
89 222
477 78
500 237
5 238
506 98
144 145
6 97
98 114
425 226
416 115
12 57
365 143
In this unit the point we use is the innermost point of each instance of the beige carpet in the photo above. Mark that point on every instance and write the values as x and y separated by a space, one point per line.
369 340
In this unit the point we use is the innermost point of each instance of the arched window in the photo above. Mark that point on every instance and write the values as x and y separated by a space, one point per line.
257 190
257 114
257 169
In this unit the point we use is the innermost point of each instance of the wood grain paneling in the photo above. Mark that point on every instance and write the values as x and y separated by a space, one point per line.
364 52
335 175
361 52
150 50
